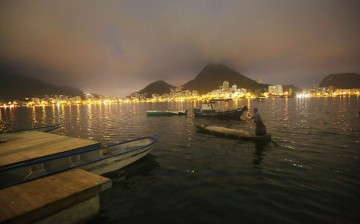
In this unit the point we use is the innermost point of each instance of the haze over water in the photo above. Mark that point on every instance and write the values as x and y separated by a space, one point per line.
312 176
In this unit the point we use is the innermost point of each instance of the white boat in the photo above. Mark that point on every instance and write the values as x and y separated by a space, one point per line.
98 160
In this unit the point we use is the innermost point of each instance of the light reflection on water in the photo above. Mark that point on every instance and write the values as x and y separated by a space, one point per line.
192 177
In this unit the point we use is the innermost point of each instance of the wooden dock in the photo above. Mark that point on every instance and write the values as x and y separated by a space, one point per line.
68 197
24 146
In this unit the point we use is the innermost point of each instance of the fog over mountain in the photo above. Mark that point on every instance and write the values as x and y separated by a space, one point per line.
210 78
118 47
213 75
17 86
158 87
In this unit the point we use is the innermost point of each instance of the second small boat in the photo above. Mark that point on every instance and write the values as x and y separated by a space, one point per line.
207 110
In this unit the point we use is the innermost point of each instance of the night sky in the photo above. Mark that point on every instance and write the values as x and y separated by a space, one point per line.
117 47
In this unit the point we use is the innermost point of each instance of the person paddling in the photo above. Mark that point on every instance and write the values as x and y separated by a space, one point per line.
260 128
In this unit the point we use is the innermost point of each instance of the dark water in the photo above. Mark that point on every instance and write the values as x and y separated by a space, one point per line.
191 177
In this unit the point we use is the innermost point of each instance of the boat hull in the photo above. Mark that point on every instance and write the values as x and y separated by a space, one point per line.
116 163
233 133
97 160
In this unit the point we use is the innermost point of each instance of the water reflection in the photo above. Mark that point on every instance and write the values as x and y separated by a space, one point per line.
33 116
89 117
2 120
12 113
258 154
54 110
78 113
320 135
143 169
286 110
302 104
62 111
43 117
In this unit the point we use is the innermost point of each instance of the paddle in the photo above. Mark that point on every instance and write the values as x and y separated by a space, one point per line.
274 143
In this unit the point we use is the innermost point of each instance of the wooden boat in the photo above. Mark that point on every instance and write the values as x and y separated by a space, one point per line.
41 128
166 112
233 133
207 110
99 160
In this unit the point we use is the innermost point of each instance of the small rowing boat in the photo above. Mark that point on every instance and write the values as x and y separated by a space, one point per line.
95 158
166 112
233 133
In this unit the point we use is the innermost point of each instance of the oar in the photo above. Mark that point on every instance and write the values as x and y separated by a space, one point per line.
274 143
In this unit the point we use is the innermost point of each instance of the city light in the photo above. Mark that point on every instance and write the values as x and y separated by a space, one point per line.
178 95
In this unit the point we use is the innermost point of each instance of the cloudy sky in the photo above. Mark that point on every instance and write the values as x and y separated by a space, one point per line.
116 47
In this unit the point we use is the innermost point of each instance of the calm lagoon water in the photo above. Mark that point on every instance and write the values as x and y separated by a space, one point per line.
312 176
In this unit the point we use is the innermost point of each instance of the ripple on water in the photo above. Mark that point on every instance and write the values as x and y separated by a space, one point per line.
191 177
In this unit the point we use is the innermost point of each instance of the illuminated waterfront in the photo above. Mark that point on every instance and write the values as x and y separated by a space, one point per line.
181 97
313 177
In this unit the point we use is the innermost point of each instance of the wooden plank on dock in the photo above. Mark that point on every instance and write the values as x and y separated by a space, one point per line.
41 198
23 146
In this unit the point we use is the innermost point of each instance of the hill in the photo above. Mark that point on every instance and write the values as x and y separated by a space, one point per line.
213 75
15 86
342 81
158 87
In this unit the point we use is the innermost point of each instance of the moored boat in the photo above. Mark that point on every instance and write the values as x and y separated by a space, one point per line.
233 133
207 110
99 160
166 112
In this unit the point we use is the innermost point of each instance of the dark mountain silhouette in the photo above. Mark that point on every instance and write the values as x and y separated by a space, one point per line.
158 87
213 75
15 86
342 81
